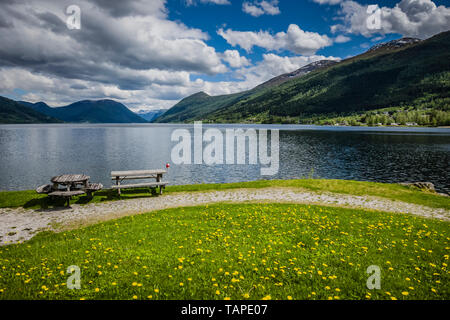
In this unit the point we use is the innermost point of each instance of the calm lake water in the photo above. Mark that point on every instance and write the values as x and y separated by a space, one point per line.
32 154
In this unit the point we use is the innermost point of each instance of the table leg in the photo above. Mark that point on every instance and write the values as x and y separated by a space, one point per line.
118 184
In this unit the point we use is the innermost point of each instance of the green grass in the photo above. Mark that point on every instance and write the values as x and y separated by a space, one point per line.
249 251
29 199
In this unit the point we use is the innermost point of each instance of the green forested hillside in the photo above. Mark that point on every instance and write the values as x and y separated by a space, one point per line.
13 112
198 106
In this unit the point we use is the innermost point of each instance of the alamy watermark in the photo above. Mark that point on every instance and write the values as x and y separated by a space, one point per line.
227 148
73 21
374 280
373 21
74 280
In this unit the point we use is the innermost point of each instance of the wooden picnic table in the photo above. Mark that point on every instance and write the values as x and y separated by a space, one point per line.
119 176
70 180
74 185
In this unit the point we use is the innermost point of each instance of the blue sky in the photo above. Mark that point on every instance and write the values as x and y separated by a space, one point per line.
149 54
307 14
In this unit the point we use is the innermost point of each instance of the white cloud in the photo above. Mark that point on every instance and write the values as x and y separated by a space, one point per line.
342 39
412 18
330 2
258 8
295 40
219 2
234 59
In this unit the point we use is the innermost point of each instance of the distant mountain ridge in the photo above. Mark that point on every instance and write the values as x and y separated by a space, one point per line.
152 114
89 111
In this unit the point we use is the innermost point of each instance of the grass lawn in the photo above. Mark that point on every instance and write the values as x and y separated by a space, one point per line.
236 251
29 198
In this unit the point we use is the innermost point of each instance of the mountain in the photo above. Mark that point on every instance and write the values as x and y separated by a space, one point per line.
405 73
317 65
14 112
394 44
151 115
40 107
101 111
200 105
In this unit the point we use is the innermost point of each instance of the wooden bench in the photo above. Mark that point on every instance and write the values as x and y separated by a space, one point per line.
93 187
45 189
66 195
119 176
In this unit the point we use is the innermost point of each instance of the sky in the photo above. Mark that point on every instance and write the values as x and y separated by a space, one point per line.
150 54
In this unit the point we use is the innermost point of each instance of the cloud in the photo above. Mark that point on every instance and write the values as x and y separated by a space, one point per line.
220 2
106 48
258 8
342 39
330 2
120 8
234 59
295 40
410 18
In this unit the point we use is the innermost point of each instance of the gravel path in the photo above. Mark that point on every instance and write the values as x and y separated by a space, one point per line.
17 225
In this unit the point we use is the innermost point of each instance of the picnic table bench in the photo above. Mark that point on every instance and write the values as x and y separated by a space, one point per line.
119 176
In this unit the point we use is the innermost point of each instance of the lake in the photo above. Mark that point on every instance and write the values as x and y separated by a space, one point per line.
32 154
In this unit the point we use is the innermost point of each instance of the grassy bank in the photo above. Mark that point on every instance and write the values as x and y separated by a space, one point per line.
249 251
29 198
